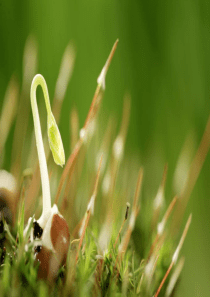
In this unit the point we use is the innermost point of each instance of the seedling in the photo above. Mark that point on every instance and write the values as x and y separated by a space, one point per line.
50 229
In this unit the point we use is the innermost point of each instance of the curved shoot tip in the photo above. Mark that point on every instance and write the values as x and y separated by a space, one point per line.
55 141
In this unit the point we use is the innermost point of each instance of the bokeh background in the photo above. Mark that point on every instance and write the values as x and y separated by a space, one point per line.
162 60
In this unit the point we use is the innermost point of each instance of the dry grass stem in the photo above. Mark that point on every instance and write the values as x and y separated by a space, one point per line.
90 209
91 114
175 255
194 172
29 70
8 111
174 277
161 225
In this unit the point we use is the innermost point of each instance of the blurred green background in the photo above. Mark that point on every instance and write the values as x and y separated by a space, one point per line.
162 59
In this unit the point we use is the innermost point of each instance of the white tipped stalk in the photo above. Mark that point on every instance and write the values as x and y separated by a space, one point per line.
161 225
119 143
118 148
87 133
89 211
175 255
102 77
91 204
106 183
159 199
83 134
98 156
149 270
177 251
132 220
182 169
55 144
174 277
81 230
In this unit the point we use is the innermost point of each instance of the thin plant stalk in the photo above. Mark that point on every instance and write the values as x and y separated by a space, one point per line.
91 114
174 277
194 172
159 199
175 255
161 225
90 209
9 110
29 70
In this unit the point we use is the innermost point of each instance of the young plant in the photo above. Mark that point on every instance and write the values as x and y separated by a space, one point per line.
50 229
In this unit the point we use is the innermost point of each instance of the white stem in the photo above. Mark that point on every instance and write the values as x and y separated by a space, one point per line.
46 198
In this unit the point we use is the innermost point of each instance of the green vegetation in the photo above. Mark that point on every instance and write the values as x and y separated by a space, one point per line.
98 196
